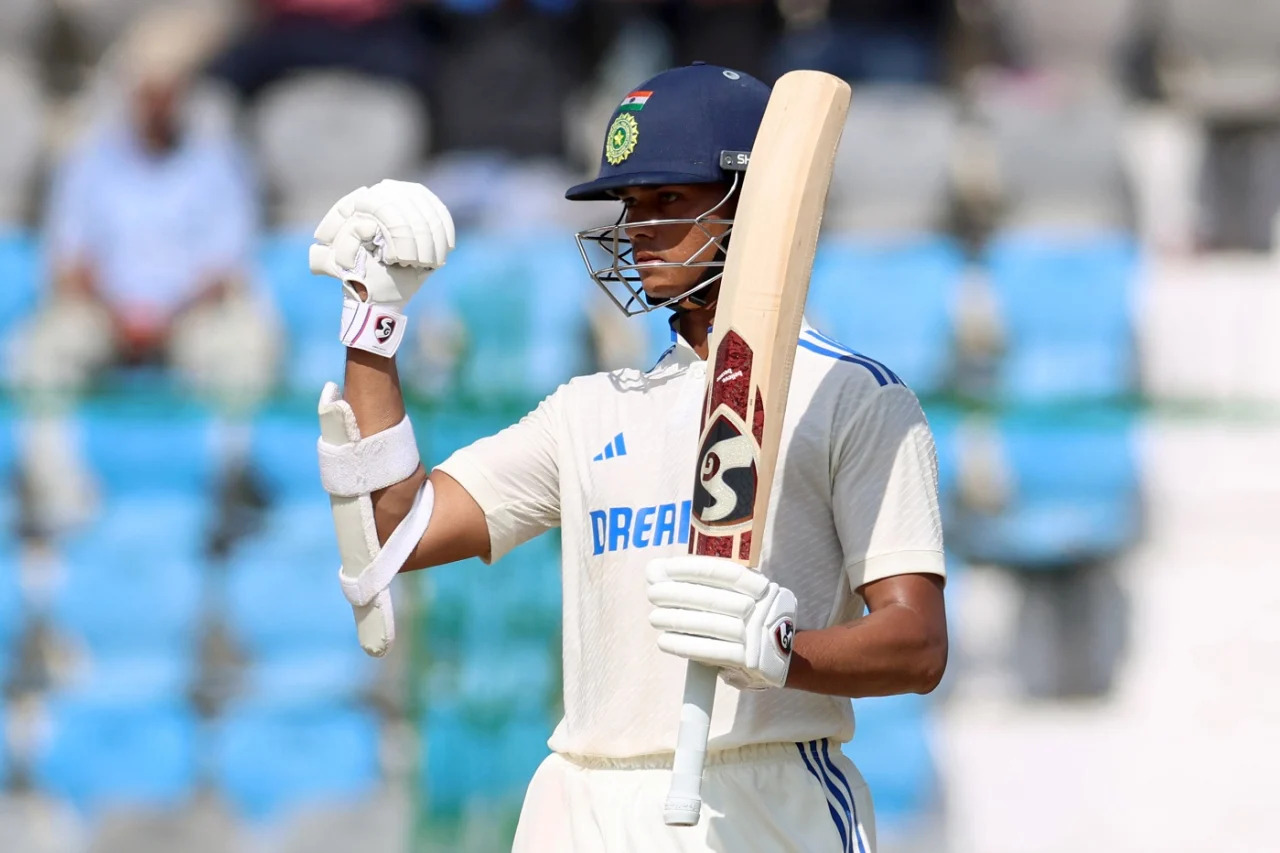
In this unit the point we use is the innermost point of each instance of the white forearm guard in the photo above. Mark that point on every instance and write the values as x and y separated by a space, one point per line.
351 467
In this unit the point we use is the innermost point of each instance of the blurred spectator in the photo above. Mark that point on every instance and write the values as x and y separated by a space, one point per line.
500 107
23 24
1218 61
507 72
886 41
370 36
150 227
22 144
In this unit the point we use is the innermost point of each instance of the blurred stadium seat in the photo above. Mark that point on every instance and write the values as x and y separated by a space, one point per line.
22 23
23 143
379 825
4 747
1086 37
107 754
320 134
893 168
479 755
944 421
132 597
1057 150
892 301
892 750
1072 493
283 452
522 299
271 761
143 453
308 306
20 269
1066 306
301 644
442 431
99 24
32 823
1222 54
199 827
145 533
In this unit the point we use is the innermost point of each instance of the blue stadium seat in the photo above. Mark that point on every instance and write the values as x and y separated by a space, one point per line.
285 607
891 749
133 578
20 270
441 432
521 300
519 675
1065 304
8 471
100 754
1075 493
270 761
137 452
892 301
477 756
283 452
12 613
310 308
517 599
943 423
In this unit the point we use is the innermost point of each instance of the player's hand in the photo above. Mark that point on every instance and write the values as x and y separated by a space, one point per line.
720 613
381 242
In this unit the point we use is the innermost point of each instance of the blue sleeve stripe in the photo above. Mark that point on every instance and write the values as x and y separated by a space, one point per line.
852 359
661 358
841 348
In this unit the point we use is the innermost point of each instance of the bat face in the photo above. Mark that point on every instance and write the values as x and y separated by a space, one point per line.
724 494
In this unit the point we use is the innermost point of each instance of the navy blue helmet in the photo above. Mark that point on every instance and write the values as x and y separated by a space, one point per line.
675 128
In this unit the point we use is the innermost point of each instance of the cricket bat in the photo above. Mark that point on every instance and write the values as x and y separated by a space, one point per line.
750 356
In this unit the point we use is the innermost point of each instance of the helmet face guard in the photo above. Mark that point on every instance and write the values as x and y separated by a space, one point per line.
609 255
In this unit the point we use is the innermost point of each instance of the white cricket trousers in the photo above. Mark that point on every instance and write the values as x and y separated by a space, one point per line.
769 798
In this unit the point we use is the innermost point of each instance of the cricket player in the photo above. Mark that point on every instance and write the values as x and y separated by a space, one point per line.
853 558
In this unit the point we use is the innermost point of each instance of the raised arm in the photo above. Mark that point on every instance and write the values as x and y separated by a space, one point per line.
381 243
457 530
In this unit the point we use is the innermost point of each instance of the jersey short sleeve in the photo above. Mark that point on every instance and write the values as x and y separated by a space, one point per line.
885 490
514 477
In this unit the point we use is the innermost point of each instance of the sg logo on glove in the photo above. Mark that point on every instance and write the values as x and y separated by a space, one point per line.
384 328
784 634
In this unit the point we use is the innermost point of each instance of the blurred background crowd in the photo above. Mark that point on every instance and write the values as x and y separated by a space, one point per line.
1056 221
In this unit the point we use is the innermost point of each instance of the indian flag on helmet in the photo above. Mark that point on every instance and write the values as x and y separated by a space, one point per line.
635 101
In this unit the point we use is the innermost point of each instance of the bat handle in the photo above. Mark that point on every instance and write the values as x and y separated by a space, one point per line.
684 799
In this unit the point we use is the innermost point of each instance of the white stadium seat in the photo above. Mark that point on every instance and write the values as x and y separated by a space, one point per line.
320 134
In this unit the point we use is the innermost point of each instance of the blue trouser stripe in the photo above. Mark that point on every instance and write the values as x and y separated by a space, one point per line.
835 791
853 805
815 770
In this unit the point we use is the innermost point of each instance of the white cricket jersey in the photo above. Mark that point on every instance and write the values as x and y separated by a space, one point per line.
610 459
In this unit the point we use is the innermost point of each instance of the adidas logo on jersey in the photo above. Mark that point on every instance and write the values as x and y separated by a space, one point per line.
617 447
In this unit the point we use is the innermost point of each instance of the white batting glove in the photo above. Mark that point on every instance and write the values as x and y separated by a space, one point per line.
387 238
718 612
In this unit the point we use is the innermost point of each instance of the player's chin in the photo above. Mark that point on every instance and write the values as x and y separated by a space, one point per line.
663 284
